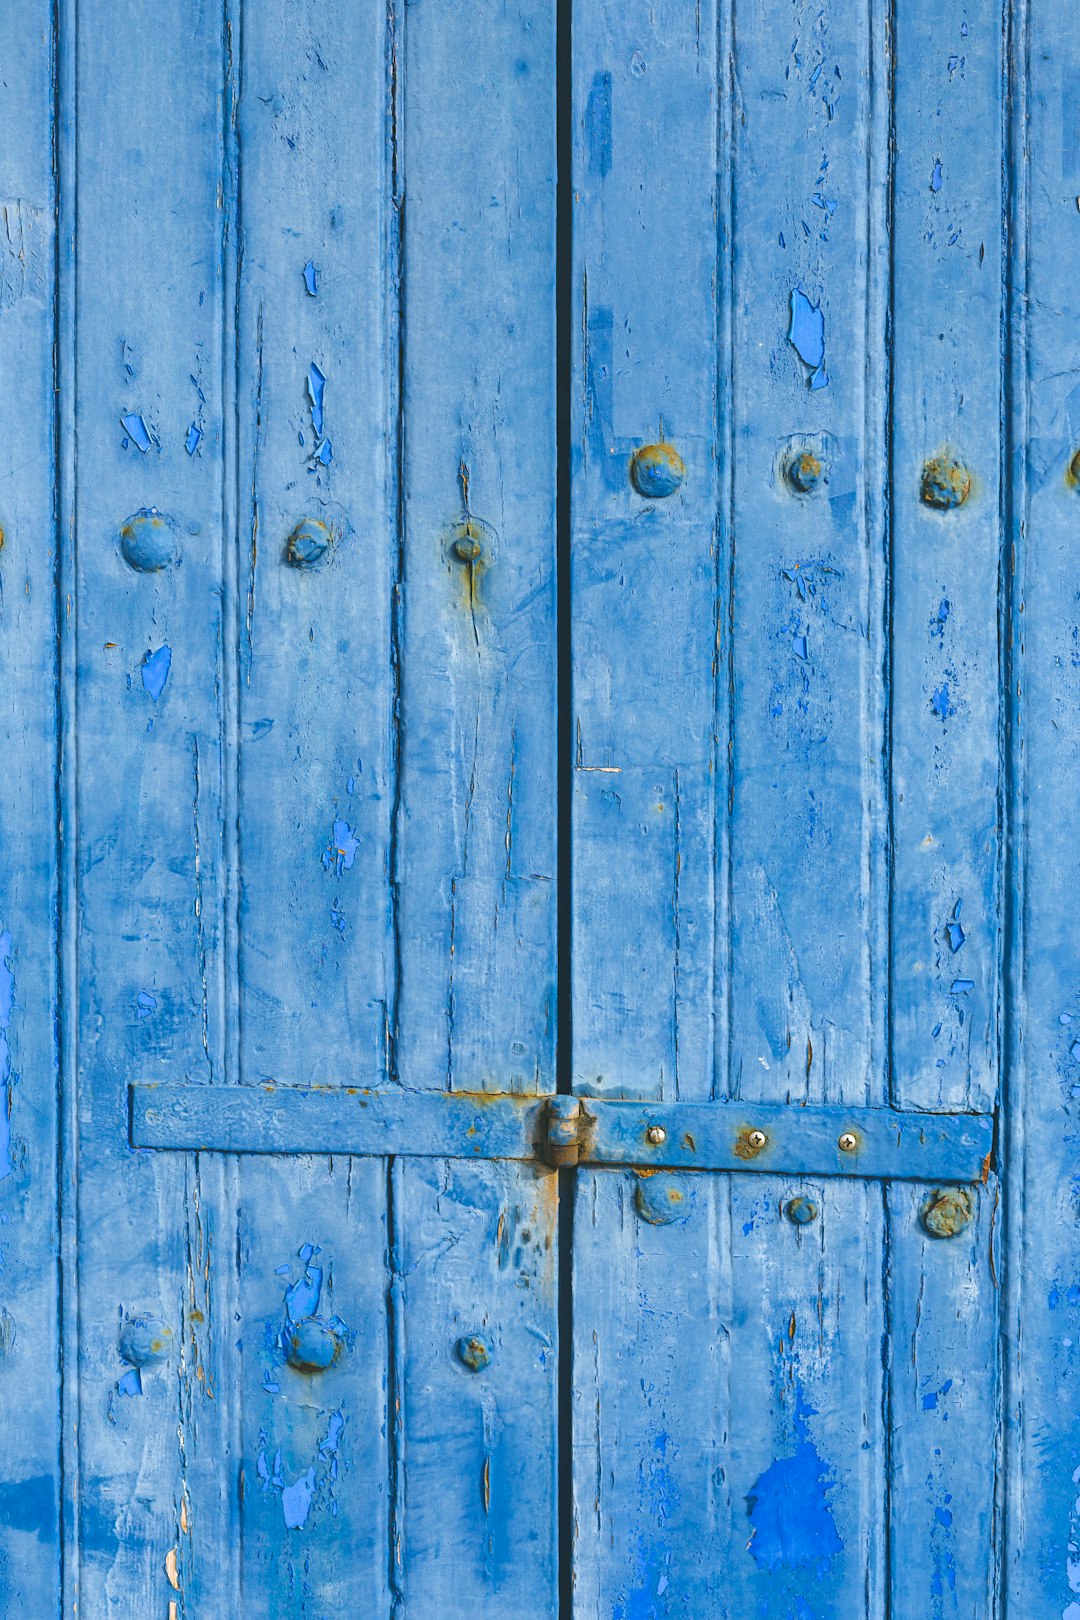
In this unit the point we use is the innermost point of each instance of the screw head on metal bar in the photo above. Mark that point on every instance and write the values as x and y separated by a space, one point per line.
756 1140
848 1142
655 1135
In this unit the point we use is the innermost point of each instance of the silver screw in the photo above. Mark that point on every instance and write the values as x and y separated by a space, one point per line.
756 1140
655 1135
848 1142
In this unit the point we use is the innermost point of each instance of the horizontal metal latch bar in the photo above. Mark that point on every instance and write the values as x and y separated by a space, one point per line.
787 1139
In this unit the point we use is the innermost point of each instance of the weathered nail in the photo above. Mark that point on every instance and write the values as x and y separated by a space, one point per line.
655 1135
467 546
657 470
804 472
474 1351
313 1345
144 1340
947 1211
664 1200
801 1210
945 483
848 1142
148 541
308 544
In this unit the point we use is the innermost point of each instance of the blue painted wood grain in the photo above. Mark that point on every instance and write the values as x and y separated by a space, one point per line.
155 1306
473 865
308 706
947 785
29 1339
1043 1085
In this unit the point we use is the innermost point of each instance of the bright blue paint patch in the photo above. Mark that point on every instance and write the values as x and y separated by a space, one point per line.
316 389
337 918
137 431
799 645
324 455
131 1383
806 333
194 434
311 279
296 1500
155 671
7 1002
961 987
953 929
935 177
145 1004
302 1298
598 125
340 853
788 1506
941 702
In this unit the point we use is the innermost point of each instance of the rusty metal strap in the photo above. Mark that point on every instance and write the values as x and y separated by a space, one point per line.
792 1139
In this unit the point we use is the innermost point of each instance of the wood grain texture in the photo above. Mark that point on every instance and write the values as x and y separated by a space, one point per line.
1041 1345
473 866
29 1343
155 1363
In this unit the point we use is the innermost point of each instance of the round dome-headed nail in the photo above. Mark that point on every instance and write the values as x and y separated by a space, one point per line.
947 1211
657 470
467 546
308 544
946 483
149 541
801 1210
474 1351
804 472
144 1340
313 1345
664 1200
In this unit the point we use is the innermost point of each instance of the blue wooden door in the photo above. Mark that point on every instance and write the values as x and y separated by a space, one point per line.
539 1008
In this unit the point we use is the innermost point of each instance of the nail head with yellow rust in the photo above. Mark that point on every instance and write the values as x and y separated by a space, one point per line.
313 1344
474 1351
308 544
657 470
144 1340
655 1135
948 1211
801 1211
946 483
804 472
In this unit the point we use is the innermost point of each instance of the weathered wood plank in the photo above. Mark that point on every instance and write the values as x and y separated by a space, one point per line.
29 1406
155 1351
730 800
310 742
946 405
472 866
1043 1079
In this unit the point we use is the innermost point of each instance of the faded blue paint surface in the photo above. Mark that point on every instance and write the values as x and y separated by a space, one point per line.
278 803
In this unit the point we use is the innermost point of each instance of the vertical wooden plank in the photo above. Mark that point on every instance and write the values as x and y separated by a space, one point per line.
312 709
946 784
157 1473
729 1379
1042 1264
472 865
29 1405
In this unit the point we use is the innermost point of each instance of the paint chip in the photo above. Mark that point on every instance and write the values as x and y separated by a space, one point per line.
316 390
806 334
311 279
194 436
137 431
935 177
155 671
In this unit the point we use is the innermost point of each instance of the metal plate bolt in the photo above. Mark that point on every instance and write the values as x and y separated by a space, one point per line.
474 1351
947 1211
848 1142
946 483
756 1140
801 1211
657 470
655 1135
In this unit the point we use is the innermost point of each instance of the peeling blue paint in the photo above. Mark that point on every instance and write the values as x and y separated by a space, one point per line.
155 671
7 1002
935 177
340 853
194 435
137 431
316 390
806 333
145 1004
311 279
296 1500
793 1526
